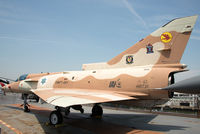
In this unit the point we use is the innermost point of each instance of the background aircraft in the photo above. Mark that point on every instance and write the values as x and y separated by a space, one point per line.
190 85
3 82
1 85
139 74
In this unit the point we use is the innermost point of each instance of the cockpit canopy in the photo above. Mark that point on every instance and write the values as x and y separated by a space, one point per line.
22 77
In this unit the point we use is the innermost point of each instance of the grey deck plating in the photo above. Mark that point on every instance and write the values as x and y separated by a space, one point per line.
114 121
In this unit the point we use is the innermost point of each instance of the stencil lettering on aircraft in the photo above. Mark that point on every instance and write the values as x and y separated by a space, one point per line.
142 84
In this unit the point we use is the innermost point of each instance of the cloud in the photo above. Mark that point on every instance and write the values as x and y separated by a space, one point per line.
195 37
132 10
196 31
159 20
187 74
26 39
19 14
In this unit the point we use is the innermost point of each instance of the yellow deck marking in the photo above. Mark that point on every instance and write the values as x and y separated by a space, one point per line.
10 127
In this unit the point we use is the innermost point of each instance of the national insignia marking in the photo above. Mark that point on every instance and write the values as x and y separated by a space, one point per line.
43 81
129 59
149 48
166 37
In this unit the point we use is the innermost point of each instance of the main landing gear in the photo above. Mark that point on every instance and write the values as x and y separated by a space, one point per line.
26 105
56 116
97 111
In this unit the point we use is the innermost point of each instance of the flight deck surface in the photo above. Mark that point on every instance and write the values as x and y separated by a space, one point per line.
14 120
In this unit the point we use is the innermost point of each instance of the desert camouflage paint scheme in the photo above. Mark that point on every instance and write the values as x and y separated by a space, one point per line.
135 74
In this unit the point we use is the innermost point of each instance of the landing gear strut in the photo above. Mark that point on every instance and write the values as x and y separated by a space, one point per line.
78 107
75 107
97 111
26 105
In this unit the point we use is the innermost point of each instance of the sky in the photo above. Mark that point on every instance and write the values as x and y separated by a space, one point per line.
60 35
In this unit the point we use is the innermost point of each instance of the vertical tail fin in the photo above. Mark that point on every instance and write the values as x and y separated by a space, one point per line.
164 46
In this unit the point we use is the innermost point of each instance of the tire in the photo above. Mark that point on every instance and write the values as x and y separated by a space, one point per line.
26 109
97 110
55 118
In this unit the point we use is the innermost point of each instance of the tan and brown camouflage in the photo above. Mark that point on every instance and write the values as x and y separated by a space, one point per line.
135 74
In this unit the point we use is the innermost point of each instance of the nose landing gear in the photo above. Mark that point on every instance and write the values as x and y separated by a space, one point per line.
26 105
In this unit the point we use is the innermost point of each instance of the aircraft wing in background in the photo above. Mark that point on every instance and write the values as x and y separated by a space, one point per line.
191 85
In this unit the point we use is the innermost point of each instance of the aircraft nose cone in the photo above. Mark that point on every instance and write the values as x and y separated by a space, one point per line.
12 87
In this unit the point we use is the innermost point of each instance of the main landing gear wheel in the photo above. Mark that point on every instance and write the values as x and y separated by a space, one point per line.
97 111
55 117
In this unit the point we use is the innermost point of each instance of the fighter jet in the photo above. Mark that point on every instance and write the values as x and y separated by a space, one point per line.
138 75
3 82
1 85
